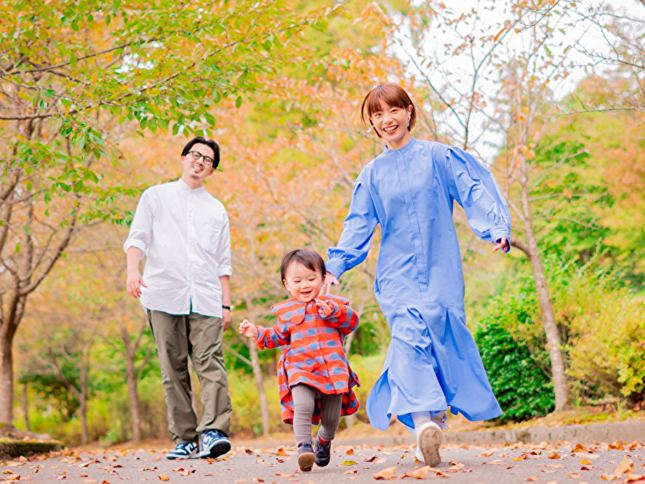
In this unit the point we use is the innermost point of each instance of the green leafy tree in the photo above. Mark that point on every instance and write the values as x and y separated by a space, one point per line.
74 76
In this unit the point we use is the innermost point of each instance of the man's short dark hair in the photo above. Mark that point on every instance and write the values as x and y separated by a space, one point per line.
308 258
200 140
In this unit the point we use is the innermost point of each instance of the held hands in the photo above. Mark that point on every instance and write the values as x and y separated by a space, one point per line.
329 281
133 284
324 308
502 244
248 329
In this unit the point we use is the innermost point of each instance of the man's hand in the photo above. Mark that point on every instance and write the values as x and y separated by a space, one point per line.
133 284
325 308
502 244
226 318
329 281
248 329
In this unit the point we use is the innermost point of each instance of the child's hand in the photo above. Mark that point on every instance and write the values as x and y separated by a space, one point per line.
325 308
248 329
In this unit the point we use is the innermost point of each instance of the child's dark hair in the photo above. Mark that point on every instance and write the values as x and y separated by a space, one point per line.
308 258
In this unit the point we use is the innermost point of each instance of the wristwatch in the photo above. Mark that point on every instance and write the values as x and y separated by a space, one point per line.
226 307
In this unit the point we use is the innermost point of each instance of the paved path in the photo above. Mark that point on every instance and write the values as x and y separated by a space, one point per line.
516 463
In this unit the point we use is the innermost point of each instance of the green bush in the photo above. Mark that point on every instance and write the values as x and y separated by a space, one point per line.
522 388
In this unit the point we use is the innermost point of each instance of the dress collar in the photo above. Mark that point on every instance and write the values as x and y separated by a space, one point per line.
183 186
405 149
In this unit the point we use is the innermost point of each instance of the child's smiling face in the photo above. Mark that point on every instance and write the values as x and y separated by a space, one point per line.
303 283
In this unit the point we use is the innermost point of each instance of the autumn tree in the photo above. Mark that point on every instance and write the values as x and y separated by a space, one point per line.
70 74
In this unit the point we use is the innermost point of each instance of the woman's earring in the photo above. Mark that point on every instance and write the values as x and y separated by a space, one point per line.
371 128
409 121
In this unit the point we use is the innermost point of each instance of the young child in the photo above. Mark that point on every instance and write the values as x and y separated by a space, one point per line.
313 373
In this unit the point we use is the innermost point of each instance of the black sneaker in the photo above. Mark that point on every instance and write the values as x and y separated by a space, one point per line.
306 457
323 453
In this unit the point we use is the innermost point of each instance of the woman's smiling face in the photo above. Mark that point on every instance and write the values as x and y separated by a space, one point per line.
391 122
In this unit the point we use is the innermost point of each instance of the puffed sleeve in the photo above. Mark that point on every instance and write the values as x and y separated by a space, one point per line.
472 185
141 227
358 229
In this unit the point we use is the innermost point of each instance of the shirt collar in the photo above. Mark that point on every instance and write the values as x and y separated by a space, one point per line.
403 150
183 186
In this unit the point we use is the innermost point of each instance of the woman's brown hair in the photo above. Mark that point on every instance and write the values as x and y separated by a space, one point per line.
392 95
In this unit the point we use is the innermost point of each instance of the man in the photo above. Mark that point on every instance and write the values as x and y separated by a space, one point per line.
184 233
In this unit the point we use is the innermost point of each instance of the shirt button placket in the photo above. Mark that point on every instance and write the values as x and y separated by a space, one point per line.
190 217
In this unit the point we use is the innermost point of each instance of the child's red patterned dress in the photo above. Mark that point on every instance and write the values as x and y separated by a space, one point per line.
312 352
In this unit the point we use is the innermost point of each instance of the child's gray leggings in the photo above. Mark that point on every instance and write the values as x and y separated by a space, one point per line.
304 402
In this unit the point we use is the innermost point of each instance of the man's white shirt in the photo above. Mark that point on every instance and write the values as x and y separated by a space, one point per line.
184 234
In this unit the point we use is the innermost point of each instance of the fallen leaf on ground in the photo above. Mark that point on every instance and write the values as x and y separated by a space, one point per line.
554 455
497 463
511 467
371 459
163 478
486 454
349 463
385 474
7 472
531 479
286 475
240 481
257 479
351 471
585 462
517 459
617 445
609 477
419 473
579 448
635 478
349 451
440 474
574 475
14 477
626 466
547 472
586 468
281 452
380 461
552 482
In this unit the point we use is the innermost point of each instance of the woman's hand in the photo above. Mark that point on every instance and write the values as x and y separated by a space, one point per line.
248 329
325 308
502 244
329 281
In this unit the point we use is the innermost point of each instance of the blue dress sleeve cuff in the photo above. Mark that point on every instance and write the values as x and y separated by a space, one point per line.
336 266
499 232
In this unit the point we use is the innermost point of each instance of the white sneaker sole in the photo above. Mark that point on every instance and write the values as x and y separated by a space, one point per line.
429 444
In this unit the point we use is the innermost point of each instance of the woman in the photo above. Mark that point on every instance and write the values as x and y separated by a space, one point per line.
432 361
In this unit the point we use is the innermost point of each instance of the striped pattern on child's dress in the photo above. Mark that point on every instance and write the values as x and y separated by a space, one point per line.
312 351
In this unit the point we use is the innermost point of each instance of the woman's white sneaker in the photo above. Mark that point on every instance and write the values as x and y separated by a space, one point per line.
429 439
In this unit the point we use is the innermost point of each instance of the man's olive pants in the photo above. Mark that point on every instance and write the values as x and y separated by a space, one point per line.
200 337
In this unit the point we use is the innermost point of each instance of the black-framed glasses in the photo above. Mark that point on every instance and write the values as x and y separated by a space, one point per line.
197 155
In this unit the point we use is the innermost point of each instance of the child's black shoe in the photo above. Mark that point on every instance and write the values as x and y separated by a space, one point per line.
323 453
306 457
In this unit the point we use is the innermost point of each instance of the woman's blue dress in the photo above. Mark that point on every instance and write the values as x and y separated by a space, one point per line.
432 361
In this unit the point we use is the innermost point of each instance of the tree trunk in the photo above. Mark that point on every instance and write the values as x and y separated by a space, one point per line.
6 379
546 306
25 407
259 382
133 392
83 397
132 381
